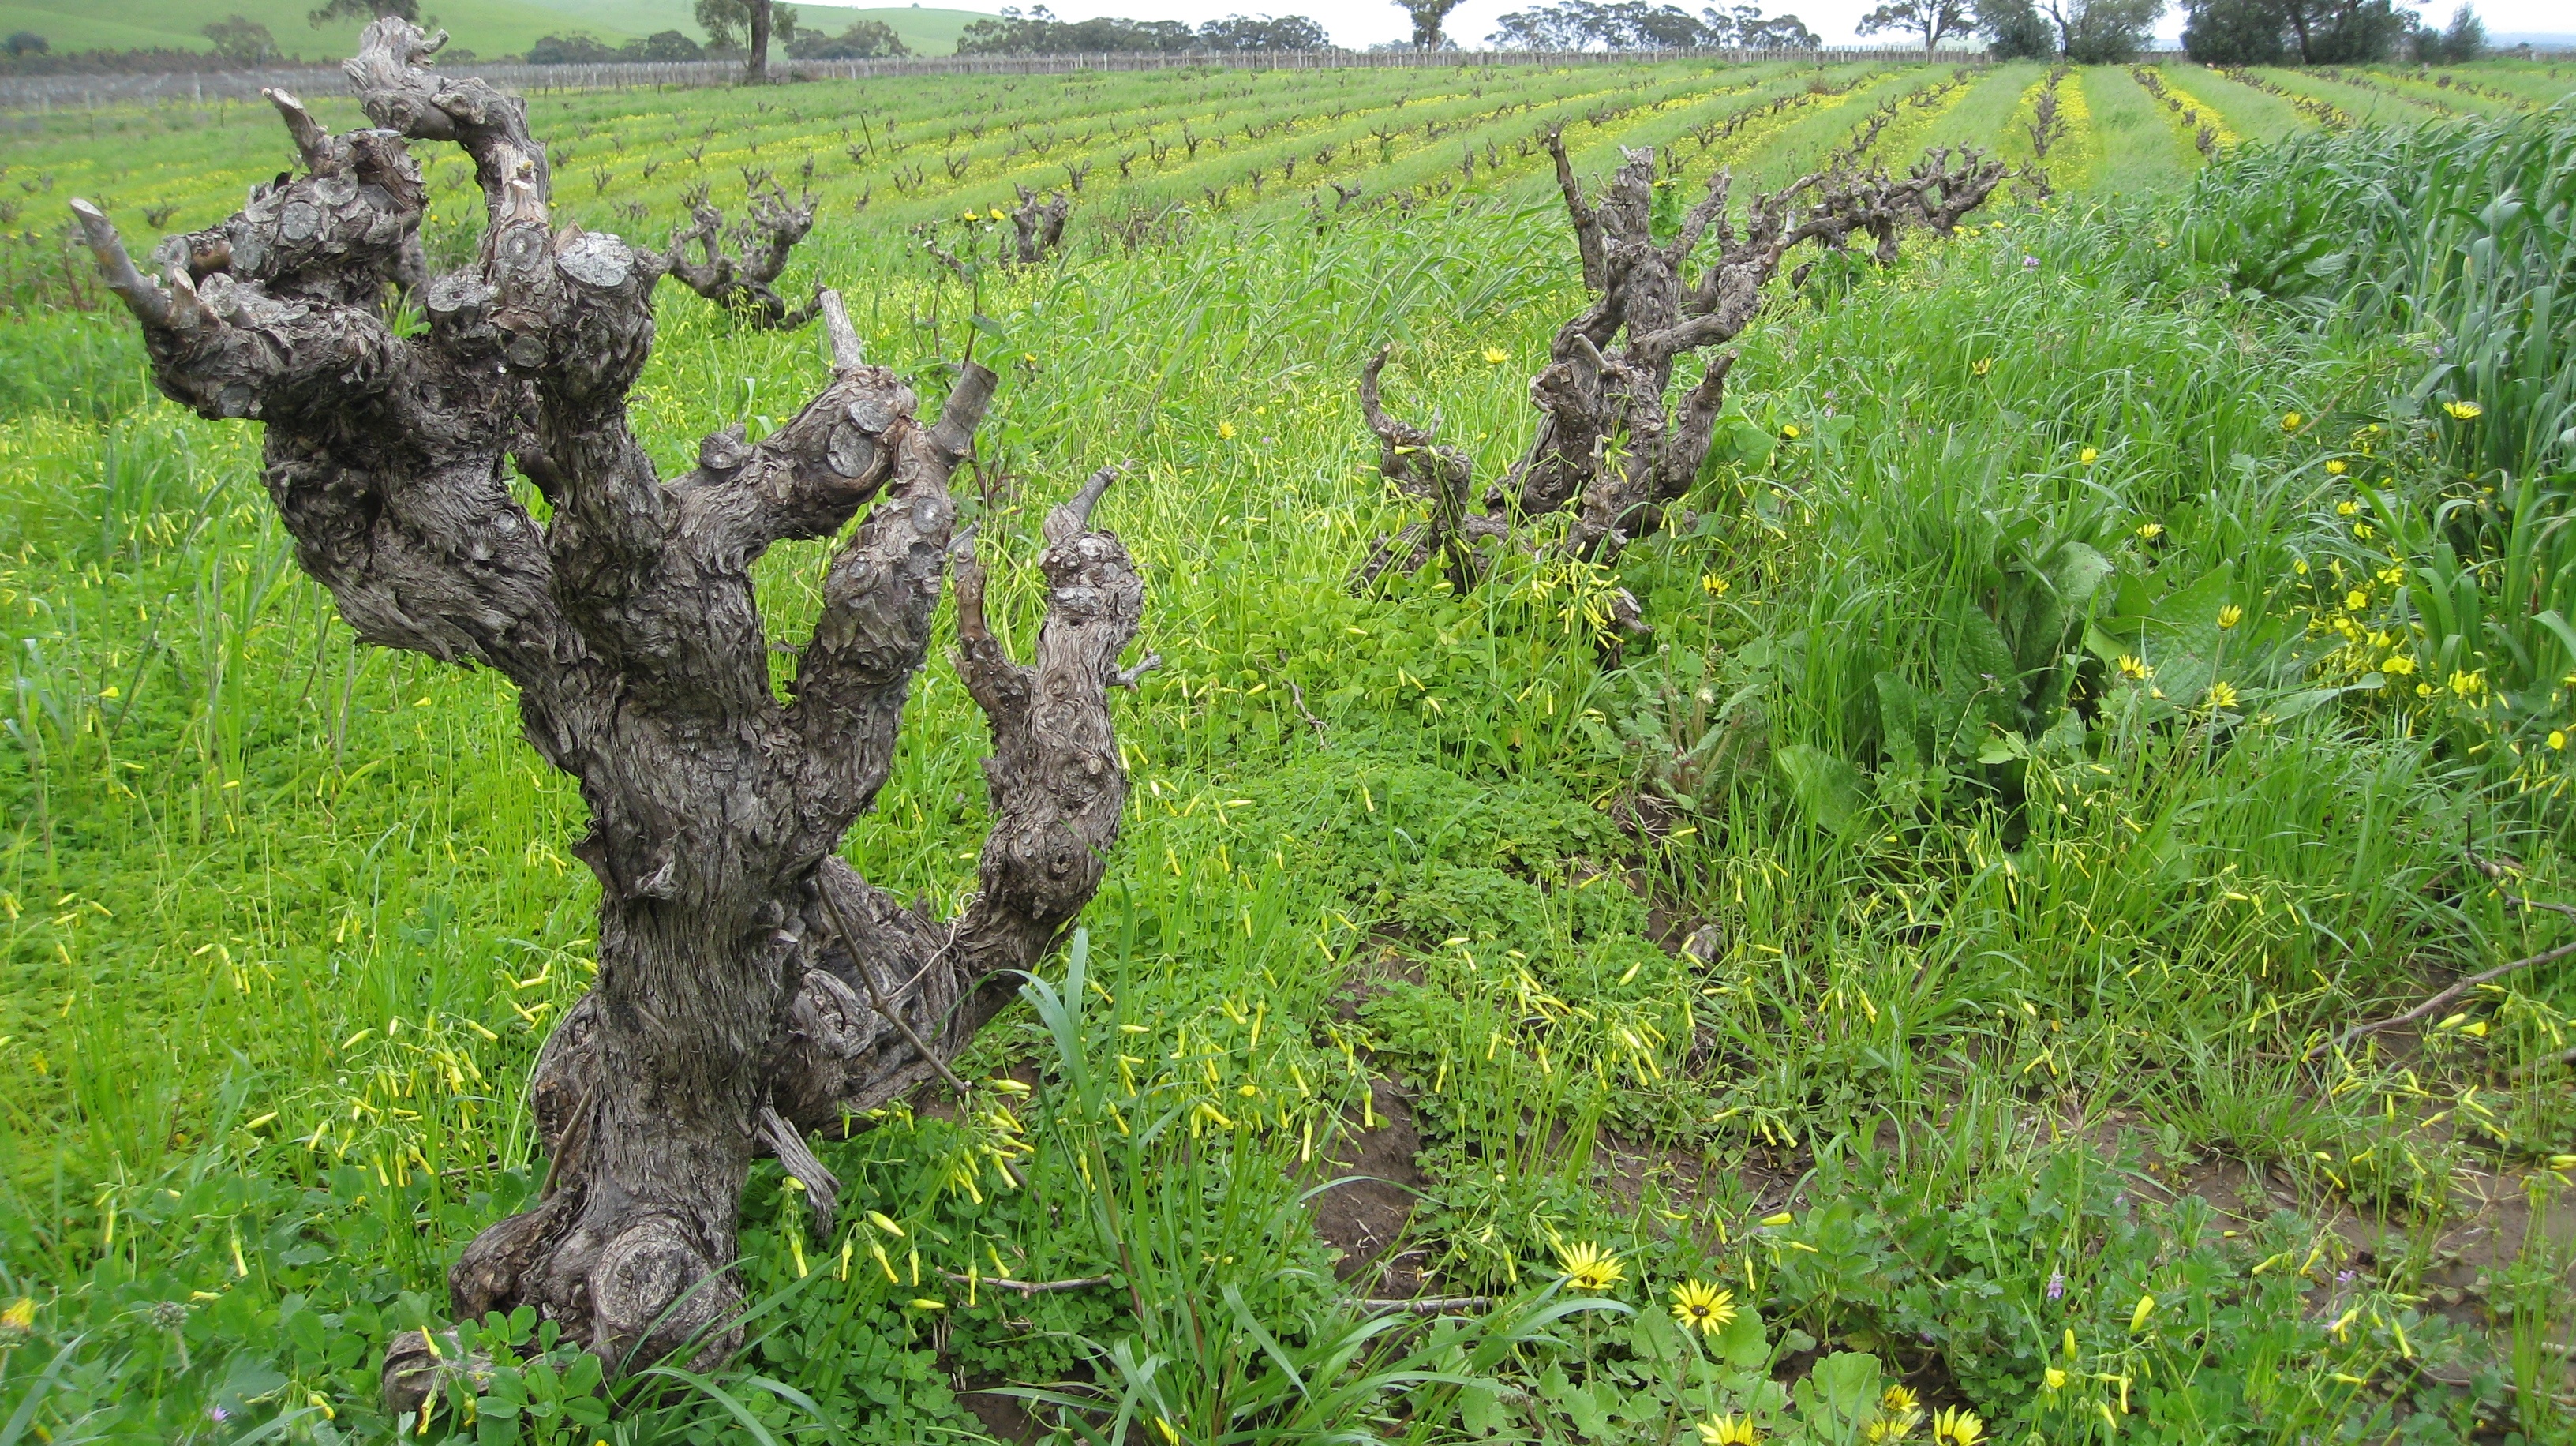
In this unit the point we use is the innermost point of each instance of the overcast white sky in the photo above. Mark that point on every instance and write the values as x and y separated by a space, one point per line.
1362 23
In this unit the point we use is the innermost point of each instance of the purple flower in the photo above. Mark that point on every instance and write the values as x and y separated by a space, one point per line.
2057 1285
218 1413
2343 1277
2029 262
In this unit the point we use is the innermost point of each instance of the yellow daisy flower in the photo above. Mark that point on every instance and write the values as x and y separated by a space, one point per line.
1729 1431
1589 1267
1703 1308
2463 411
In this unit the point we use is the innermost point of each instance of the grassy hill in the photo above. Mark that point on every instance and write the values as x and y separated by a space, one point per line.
487 27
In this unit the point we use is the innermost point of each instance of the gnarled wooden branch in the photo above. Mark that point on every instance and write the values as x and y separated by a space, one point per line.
1614 446
736 267
1039 224
735 947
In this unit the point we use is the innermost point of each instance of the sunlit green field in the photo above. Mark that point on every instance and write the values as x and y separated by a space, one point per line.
2069 693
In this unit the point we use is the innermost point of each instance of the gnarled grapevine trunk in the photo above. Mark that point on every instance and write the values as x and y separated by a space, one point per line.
751 986
1612 448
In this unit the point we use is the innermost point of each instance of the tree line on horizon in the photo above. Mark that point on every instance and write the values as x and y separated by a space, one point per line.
2219 32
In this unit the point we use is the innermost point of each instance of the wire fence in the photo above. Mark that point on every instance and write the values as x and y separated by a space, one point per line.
43 93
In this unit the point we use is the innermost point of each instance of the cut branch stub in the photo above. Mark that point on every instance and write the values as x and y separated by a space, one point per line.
1613 446
737 953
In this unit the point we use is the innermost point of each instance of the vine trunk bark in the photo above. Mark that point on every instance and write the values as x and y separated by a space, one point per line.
752 987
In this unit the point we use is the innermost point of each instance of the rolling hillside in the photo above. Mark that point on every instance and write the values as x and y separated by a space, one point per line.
487 27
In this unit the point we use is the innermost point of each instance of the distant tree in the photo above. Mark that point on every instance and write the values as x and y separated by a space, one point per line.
574 48
2465 40
1427 15
1260 32
1039 32
864 40
1660 27
25 42
1932 19
2015 30
2235 32
1754 31
1620 25
747 27
2344 32
363 10
2103 32
1539 28
577 48
662 45
242 40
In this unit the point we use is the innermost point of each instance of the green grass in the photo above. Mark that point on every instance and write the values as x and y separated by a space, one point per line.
2138 146
2013 928
485 27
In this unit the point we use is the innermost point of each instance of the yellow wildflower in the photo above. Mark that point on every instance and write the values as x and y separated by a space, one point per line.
2423 690
2151 530
2300 567
997 213
1790 431
2290 421
1897 1401
2334 467
1225 430
2055 1379
2230 615
2469 684
1589 1267
1729 1431
2220 696
1984 365
1496 355
2398 663
2557 740
2087 455
2464 411
2356 600
2147 1303
1958 1427
2364 531
2346 508
1703 1308
1714 585
18 1321
1890 1428
2133 669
